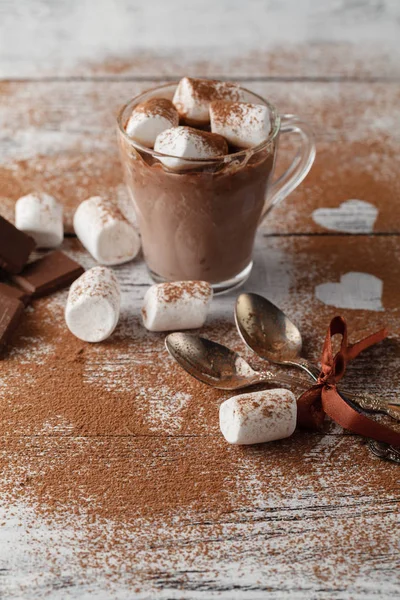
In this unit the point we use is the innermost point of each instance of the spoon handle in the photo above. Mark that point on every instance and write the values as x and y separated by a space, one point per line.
371 403
312 370
282 379
366 402
384 451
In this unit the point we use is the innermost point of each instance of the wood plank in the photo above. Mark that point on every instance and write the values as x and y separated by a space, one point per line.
287 38
312 516
292 271
61 137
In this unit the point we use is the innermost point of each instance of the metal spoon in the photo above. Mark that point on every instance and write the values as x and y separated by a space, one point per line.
384 451
217 365
270 333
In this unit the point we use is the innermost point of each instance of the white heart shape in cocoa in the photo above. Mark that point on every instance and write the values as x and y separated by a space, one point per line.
355 291
352 216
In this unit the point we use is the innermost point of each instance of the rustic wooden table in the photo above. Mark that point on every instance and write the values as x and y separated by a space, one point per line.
315 516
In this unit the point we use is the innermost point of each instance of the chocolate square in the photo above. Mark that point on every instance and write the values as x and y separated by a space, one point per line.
14 292
15 247
11 311
54 271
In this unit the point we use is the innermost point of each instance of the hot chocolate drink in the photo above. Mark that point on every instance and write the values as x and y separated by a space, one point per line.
199 225
199 187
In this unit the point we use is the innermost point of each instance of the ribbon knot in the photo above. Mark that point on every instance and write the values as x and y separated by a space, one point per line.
323 398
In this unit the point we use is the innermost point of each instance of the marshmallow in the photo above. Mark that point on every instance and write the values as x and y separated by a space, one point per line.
150 118
40 216
104 231
93 304
176 305
243 124
193 96
258 417
186 142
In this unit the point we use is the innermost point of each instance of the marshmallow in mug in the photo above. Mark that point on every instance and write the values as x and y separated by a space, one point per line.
93 305
40 216
104 231
150 118
242 124
193 96
189 143
258 417
176 305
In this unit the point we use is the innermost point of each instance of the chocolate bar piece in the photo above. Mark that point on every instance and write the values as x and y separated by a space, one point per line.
15 247
11 310
48 274
14 292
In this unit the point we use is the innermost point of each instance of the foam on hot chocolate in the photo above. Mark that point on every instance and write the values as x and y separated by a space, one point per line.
150 118
189 143
193 96
242 124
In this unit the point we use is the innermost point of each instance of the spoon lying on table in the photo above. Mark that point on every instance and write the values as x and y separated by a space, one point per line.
271 334
384 451
217 365
267 331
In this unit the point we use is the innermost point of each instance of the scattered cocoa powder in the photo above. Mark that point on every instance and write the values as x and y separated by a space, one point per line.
82 448
355 125
212 89
206 143
123 448
230 112
157 107
171 292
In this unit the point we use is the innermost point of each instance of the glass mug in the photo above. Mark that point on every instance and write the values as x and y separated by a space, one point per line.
199 221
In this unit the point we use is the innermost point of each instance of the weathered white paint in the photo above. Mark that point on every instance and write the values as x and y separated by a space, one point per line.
59 120
255 548
355 291
252 555
352 216
42 37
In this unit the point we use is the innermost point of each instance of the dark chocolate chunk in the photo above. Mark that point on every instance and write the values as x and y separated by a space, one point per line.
11 310
14 292
48 274
15 247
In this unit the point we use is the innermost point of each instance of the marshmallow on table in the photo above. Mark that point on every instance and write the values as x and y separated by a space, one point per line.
150 118
258 417
176 305
40 216
188 143
243 124
104 231
193 96
93 305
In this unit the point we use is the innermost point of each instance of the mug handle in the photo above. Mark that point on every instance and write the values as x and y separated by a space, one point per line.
302 163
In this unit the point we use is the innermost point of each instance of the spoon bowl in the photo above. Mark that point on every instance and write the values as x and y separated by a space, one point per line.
216 365
270 333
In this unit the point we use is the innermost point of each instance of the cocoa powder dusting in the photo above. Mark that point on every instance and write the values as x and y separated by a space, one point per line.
157 107
171 292
80 446
212 89
116 447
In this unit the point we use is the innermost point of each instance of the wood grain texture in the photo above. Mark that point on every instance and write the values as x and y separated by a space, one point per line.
289 38
61 137
320 512
331 543
311 517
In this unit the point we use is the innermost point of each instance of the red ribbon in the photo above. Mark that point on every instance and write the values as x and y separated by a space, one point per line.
324 399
